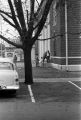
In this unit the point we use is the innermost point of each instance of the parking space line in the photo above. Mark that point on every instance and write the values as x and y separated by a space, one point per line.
31 94
75 85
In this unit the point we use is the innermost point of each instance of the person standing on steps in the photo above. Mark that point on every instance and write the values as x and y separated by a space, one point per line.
48 56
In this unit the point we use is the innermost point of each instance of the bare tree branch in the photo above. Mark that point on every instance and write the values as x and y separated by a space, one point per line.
10 42
38 14
8 21
14 17
19 9
32 9
6 13
30 25
37 2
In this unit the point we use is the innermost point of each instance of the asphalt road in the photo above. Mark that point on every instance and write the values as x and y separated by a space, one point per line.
23 110
53 101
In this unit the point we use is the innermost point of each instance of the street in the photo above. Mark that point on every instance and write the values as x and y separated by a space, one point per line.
20 110
57 100
55 95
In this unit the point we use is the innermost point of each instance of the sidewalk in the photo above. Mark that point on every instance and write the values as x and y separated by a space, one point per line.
53 79
49 74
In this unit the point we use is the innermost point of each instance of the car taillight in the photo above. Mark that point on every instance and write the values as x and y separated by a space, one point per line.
17 81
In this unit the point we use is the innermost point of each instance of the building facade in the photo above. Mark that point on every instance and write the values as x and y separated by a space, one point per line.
65 28
43 44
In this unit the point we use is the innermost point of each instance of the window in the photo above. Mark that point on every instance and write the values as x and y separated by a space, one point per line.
6 66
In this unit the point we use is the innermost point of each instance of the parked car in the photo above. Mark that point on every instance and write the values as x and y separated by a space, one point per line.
9 79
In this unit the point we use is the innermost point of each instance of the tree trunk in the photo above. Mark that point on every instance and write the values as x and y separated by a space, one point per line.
28 66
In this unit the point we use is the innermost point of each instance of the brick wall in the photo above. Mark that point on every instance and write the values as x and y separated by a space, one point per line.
74 28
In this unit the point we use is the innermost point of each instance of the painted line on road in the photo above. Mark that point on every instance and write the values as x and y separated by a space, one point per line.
31 94
75 85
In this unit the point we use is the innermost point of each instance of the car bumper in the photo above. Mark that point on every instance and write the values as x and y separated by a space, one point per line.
14 87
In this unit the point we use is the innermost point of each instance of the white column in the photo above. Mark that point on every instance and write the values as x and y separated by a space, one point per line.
49 35
48 32
44 45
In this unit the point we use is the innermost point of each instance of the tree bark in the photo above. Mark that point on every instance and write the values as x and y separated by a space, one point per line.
28 66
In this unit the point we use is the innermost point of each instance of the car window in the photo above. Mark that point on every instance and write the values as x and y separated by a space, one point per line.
6 66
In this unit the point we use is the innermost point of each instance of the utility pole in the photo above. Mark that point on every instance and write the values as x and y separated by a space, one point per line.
1 40
1 28
66 35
